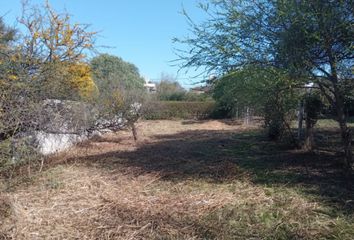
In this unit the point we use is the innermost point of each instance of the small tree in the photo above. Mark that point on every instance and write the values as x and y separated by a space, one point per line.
317 42
168 89
111 73
121 92
52 51
266 90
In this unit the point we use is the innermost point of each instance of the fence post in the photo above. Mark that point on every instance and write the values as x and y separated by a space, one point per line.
300 117
247 116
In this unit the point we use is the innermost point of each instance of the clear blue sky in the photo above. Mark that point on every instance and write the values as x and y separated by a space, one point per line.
139 31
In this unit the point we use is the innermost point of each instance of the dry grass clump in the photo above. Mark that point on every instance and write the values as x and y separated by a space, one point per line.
91 203
5 212
283 215
148 128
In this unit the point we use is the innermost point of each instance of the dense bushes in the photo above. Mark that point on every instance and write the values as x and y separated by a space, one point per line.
185 96
178 110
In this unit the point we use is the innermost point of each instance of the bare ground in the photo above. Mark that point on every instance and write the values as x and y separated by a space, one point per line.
181 180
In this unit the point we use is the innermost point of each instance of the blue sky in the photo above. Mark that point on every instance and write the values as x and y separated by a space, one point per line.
139 31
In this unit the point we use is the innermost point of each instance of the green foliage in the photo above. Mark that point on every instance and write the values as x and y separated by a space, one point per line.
178 110
197 97
169 90
111 73
64 80
310 40
313 107
7 35
302 37
268 91
6 38
318 39
16 152
120 86
349 105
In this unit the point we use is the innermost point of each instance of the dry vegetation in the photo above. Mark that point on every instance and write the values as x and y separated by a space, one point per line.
182 180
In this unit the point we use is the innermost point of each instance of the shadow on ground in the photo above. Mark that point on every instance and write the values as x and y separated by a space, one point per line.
226 156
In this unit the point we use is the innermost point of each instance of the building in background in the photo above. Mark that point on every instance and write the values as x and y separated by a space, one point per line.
149 85
200 89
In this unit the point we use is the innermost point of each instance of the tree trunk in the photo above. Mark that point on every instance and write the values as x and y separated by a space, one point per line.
309 137
341 118
346 133
300 119
135 133
309 125
310 121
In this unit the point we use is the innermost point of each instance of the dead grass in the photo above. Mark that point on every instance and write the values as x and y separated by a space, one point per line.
182 180
91 203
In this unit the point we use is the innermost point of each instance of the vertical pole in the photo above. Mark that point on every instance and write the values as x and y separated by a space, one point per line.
300 118
247 116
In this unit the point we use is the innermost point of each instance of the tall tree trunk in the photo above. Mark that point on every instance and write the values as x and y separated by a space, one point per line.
346 135
309 142
341 118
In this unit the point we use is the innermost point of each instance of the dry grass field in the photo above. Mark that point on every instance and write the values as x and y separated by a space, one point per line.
181 180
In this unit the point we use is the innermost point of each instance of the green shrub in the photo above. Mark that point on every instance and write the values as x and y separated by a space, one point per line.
15 153
178 110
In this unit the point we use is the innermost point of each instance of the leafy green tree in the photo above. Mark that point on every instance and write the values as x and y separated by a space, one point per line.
197 97
6 37
317 43
111 73
311 40
121 90
6 76
168 89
